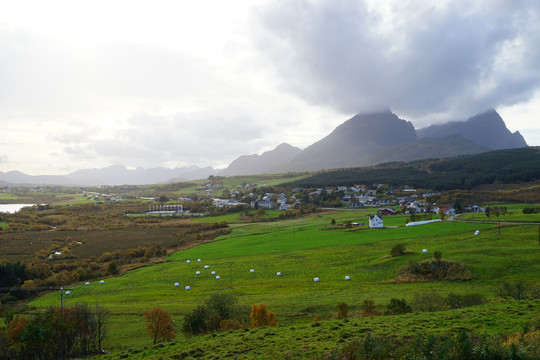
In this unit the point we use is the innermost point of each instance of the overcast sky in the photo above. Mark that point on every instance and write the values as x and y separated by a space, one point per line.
87 84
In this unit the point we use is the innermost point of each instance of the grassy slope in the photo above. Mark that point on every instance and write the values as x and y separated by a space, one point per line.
305 250
306 340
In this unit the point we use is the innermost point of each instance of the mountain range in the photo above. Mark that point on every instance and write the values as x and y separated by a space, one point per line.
363 140
370 139
112 175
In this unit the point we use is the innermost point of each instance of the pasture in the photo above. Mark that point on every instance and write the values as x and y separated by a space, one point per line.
302 249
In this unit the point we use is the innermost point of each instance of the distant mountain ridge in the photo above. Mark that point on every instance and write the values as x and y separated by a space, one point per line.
112 175
370 139
363 134
260 164
487 129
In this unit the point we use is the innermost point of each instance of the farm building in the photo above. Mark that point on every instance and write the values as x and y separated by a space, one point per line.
387 211
375 222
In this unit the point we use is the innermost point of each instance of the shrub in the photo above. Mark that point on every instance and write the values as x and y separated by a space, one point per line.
370 347
397 250
456 301
261 317
431 301
225 325
397 306
195 321
342 310
112 268
221 312
369 309
516 291
434 270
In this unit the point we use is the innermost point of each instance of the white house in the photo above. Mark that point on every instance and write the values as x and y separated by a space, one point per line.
281 199
375 222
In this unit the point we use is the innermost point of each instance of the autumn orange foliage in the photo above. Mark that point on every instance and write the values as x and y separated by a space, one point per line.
261 317
159 324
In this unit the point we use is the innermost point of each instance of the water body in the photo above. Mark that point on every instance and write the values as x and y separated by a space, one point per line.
13 208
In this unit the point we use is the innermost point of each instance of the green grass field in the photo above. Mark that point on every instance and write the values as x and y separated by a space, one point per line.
511 216
302 249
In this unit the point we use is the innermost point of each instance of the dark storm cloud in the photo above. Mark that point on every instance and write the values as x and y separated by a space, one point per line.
456 58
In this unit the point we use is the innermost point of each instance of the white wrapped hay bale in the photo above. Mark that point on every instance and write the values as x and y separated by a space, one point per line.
176 284
213 273
252 270
188 261
316 279
425 251
87 283
477 232
188 287
198 260
198 273
207 266
102 282
218 277
347 277
278 273
67 293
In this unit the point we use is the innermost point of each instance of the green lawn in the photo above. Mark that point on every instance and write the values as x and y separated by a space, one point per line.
304 249
511 216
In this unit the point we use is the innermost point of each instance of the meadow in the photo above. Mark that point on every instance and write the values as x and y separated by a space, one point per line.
308 247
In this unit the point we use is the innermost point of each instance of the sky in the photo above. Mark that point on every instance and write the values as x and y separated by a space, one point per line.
89 84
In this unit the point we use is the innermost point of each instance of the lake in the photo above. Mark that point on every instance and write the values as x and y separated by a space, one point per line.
13 208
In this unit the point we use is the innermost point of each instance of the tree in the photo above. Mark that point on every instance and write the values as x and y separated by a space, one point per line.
223 305
442 214
458 207
163 198
101 318
488 212
438 256
261 317
159 324
195 321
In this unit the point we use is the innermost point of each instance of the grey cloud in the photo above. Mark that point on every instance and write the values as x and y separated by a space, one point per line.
456 58
197 138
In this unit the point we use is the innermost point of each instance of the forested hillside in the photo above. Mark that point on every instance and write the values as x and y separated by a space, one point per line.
463 172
